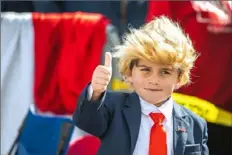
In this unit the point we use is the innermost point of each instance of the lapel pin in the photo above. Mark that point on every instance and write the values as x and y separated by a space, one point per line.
181 129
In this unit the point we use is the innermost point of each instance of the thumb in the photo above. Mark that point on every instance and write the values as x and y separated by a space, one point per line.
108 59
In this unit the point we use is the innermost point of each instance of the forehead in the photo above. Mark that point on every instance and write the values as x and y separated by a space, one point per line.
153 65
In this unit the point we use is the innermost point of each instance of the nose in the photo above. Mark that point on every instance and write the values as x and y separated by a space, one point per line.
153 83
153 79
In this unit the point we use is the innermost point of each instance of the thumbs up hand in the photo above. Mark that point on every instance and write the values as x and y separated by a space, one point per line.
101 77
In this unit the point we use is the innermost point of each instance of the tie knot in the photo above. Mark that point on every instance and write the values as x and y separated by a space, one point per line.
157 117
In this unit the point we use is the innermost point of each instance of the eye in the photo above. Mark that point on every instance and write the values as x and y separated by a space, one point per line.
145 69
165 72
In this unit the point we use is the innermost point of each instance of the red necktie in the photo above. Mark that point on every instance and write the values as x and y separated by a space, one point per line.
158 144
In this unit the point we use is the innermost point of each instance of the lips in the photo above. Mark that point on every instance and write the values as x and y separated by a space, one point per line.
150 89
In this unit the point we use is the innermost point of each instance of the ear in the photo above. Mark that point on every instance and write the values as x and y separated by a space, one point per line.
128 80
177 86
178 83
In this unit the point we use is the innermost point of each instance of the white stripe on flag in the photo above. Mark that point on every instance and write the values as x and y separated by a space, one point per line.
17 69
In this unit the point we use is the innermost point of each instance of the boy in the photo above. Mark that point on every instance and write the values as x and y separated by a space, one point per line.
155 60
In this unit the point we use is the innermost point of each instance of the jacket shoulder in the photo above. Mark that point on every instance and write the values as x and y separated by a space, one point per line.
115 98
117 94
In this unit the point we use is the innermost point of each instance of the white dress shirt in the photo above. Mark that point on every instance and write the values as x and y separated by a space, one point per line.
142 145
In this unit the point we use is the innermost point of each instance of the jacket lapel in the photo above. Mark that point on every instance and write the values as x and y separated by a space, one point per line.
132 113
180 126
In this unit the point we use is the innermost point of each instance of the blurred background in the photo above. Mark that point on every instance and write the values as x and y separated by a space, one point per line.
49 50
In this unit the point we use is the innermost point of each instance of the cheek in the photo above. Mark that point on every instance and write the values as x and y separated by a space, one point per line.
169 87
137 80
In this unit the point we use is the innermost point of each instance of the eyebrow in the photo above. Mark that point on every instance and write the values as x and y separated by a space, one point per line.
167 69
164 68
143 66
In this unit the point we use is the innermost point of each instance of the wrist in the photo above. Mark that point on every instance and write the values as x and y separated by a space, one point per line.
96 96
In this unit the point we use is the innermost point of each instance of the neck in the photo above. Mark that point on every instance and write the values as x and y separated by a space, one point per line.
160 103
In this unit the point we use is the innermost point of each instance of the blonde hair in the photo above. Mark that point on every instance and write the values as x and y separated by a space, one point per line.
159 41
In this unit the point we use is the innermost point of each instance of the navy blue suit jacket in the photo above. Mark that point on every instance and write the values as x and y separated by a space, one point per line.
116 118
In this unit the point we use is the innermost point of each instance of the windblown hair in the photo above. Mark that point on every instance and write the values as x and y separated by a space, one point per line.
159 41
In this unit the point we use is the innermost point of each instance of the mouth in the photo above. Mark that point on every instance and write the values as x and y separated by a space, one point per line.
153 90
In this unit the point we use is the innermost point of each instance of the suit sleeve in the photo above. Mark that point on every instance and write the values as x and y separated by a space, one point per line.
205 149
92 116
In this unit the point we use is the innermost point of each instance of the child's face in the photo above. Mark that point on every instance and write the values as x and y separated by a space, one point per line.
153 82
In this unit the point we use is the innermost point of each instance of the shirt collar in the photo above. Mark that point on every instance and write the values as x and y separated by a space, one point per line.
165 109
